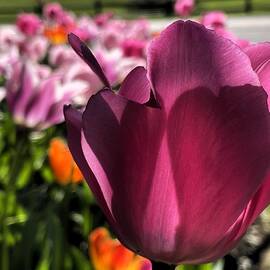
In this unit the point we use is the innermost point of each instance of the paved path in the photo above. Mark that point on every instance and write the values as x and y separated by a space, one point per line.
253 28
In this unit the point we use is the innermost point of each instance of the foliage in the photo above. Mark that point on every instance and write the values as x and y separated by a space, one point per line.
44 225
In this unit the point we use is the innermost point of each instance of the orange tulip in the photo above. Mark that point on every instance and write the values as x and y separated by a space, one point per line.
62 164
56 34
108 254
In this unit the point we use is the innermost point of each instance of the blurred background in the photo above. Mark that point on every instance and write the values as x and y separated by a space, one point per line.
48 216
152 8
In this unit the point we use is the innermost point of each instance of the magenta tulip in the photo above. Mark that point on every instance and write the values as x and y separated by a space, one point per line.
133 48
178 159
28 23
259 55
103 18
53 11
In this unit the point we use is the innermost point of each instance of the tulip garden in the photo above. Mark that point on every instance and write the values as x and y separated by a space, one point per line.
128 148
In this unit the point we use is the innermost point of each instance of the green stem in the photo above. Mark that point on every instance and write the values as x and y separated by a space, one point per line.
162 266
16 161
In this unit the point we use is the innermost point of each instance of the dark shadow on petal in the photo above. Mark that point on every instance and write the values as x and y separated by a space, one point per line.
74 125
142 129
127 145
220 153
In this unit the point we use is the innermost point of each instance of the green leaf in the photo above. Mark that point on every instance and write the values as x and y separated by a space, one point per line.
44 263
47 174
2 200
86 193
11 203
80 261
87 222
208 266
25 249
39 154
68 262
24 175
186 267
4 168
56 237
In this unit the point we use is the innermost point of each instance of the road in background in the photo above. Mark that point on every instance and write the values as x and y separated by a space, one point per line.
253 28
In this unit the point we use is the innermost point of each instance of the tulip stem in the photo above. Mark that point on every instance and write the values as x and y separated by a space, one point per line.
17 155
162 266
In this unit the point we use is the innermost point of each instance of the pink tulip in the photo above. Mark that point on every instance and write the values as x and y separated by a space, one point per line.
226 34
115 65
87 82
43 71
7 59
34 48
110 39
28 23
86 29
214 19
114 34
10 37
53 11
127 64
242 43
82 34
103 18
37 102
133 47
259 55
108 62
179 158
61 55
183 7
67 20
139 29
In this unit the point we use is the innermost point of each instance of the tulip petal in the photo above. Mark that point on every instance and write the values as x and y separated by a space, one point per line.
259 55
55 114
136 86
158 176
157 169
12 85
125 139
40 104
256 205
215 154
74 125
186 55
20 100
84 52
